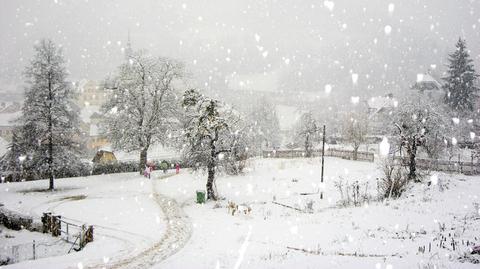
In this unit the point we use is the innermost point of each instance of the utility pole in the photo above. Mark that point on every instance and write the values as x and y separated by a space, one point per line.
323 161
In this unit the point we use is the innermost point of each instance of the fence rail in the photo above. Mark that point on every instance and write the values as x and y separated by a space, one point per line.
77 234
466 168
299 153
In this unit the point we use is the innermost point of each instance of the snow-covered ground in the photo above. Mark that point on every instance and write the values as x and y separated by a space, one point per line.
132 232
122 208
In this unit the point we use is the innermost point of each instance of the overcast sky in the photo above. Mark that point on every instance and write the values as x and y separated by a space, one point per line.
260 45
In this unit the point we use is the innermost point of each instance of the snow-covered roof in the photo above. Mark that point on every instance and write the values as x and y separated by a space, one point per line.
380 102
9 107
87 112
7 119
428 79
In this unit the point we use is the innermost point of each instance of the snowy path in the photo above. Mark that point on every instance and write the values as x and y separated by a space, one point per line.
179 231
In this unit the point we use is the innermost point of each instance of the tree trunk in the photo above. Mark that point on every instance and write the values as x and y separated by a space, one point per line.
412 154
308 153
143 160
211 171
355 152
211 178
50 136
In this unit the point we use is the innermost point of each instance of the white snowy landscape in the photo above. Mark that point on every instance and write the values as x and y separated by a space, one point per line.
239 134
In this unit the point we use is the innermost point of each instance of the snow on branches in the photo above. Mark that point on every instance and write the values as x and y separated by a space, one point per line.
143 104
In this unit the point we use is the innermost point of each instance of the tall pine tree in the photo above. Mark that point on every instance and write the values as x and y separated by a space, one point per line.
460 82
49 119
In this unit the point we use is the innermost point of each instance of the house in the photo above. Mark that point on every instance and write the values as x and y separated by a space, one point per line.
380 109
104 157
7 124
90 99
428 85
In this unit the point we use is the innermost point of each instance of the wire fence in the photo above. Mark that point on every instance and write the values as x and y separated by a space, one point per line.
30 251
71 236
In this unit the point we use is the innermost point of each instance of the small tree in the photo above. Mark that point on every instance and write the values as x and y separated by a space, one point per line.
355 130
49 122
460 82
307 132
265 125
208 134
11 160
143 104
417 122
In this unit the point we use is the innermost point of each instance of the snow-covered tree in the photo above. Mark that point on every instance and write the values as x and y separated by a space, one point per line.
418 123
355 130
209 134
142 107
307 132
460 82
11 161
265 125
49 122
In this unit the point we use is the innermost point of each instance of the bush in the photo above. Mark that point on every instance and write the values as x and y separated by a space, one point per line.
394 181
115 167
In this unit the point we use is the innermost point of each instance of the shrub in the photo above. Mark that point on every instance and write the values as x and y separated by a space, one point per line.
354 193
394 181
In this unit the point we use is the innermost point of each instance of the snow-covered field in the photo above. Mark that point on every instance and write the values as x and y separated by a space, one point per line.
156 223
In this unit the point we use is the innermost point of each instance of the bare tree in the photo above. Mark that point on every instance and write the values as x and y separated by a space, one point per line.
355 130
307 132
141 110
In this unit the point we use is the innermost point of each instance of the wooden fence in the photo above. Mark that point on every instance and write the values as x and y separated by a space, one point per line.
299 153
466 168
77 234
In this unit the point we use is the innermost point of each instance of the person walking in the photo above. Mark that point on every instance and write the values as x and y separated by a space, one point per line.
177 168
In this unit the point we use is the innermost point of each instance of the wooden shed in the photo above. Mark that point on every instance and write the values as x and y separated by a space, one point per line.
104 156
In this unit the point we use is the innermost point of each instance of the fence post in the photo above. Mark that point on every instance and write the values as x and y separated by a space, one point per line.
46 222
82 236
34 249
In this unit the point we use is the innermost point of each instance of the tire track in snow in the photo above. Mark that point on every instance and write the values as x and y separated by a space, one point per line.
177 234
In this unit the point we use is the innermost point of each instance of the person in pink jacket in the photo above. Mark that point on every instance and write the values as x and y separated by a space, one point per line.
177 168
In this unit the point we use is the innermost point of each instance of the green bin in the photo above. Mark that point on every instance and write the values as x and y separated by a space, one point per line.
200 197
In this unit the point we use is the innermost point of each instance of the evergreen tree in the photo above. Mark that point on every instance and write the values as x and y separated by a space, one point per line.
460 82
49 122
11 161
143 103
209 135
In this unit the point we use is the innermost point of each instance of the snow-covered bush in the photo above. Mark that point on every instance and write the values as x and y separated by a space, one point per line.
394 180
114 167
